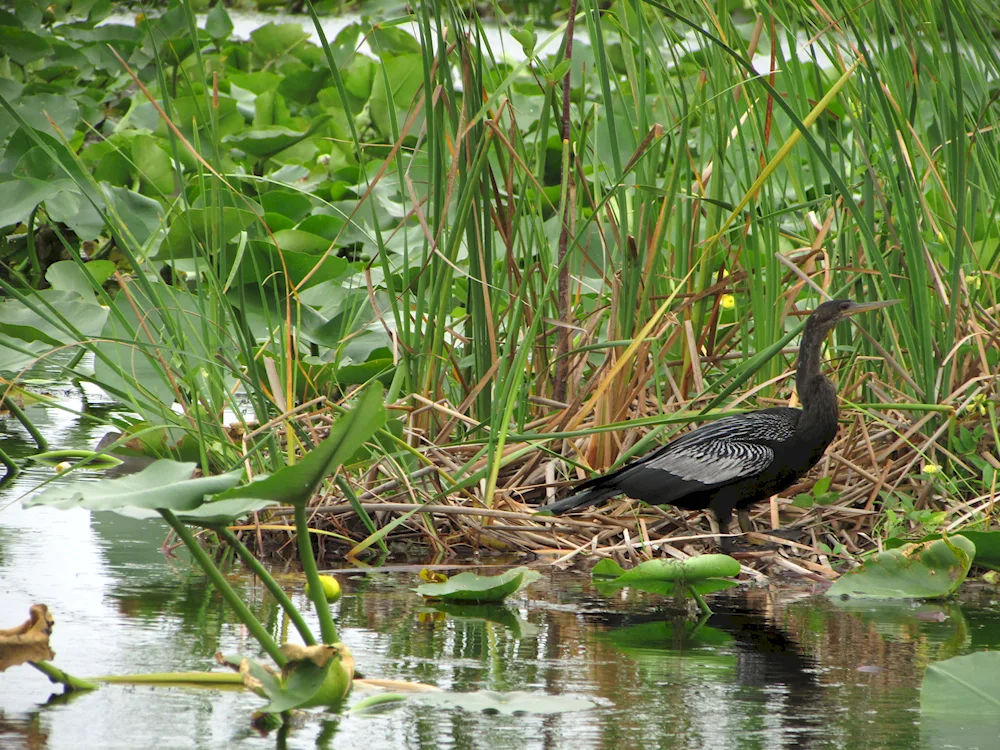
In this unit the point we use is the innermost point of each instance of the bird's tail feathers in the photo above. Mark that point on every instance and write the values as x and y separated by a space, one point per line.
588 497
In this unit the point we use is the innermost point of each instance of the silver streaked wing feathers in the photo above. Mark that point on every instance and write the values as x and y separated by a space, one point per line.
714 462
726 449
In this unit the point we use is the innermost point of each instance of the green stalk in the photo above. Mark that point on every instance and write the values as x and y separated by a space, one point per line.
20 416
63 678
12 468
326 626
700 599
270 584
228 593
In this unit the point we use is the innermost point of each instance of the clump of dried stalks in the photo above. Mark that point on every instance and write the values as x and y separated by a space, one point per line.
876 453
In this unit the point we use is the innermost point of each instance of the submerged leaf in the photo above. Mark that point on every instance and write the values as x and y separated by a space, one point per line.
517 702
929 570
473 588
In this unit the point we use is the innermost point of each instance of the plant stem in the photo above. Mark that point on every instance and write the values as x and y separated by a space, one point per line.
219 581
326 626
276 591
57 675
12 468
701 600
18 412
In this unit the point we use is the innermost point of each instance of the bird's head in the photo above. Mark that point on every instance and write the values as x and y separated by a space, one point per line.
827 315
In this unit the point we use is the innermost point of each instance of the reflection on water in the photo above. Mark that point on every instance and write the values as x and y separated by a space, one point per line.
770 669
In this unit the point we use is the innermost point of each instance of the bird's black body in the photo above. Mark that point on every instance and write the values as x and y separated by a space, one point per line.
736 461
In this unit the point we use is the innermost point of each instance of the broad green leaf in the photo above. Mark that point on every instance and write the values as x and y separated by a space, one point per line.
142 216
473 588
987 546
964 686
928 570
211 513
517 702
23 46
37 110
298 241
405 78
607 568
273 40
296 484
292 205
73 208
18 198
164 484
264 143
960 702
67 276
17 355
154 166
217 23
198 232
43 323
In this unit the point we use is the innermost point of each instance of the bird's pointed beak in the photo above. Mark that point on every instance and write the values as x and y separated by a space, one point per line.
860 307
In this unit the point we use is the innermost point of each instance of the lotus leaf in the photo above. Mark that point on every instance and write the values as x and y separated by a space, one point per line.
926 570
472 588
163 484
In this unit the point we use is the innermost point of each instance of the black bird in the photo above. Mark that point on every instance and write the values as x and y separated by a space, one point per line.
736 461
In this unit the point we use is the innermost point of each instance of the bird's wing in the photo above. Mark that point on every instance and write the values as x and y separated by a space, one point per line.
724 450
714 461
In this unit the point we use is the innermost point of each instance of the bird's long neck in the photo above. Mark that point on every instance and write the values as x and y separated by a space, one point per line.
817 394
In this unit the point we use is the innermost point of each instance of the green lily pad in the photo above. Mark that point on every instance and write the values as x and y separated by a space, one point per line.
666 588
517 702
94 460
477 589
987 546
963 686
671 571
163 484
926 570
960 702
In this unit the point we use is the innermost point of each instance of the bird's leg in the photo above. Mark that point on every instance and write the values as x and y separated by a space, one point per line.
724 518
743 516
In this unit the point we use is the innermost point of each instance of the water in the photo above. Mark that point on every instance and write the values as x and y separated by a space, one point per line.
771 669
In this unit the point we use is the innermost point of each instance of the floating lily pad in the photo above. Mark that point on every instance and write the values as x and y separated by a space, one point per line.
94 460
517 702
960 702
927 570
163 484
987 546
476 589
689 571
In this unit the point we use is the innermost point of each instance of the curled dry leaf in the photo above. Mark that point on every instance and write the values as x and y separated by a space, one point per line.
29 641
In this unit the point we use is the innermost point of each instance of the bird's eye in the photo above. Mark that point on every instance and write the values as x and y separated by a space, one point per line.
845 305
